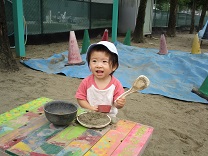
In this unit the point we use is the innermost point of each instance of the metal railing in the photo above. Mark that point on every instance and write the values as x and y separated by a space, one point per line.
53 16
160 19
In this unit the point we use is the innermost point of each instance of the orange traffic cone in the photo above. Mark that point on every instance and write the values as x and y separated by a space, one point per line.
196 45
105 35
163 46
74 57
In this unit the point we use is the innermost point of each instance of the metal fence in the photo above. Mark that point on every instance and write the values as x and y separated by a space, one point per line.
53 16
160 19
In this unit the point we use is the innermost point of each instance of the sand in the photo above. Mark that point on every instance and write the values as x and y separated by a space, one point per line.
94 119
180 128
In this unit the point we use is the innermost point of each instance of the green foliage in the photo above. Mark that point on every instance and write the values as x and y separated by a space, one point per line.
188 3
183 2
162 4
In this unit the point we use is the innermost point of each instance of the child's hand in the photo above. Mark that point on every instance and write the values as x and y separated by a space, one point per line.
86 105
120 103
94 108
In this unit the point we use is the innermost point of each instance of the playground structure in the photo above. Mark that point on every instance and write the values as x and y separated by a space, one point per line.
18 28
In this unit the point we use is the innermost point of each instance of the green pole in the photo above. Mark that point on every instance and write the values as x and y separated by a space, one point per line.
18 27
115 20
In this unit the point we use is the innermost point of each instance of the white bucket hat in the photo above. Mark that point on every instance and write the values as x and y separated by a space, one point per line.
111 47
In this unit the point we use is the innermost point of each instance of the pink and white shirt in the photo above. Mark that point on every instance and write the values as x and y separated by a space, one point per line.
89 91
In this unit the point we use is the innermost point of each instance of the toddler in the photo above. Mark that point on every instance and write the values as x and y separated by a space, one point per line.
101 87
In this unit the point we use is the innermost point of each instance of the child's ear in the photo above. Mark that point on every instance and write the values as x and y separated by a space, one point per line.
115 67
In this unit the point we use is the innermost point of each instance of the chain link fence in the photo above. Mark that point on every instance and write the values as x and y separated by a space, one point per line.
160 19
53 16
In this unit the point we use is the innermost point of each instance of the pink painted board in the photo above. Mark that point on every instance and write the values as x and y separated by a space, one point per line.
107 144
124 126
136 141
113 138
38 154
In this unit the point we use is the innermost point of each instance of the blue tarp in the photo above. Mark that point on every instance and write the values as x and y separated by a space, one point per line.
172 75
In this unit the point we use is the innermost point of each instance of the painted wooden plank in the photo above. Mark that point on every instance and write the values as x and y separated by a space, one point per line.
21 133
8 127
38 154
112 139
47 149
136 141
83 143
56 143
3 153
67 135
124 126
35 139
107 144
13 124
23 109
73 134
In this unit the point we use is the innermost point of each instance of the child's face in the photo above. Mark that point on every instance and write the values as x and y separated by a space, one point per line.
100 65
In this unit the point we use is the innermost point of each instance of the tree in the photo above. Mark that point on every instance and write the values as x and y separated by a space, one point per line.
191 31
7 61
171 30
138 35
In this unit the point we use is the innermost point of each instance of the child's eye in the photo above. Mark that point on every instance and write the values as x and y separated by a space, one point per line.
94 61
105 61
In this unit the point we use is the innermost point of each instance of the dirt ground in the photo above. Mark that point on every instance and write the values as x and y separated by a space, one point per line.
180 128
